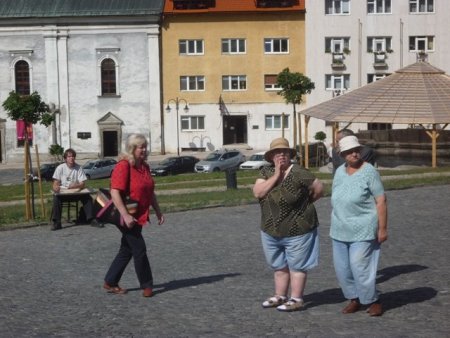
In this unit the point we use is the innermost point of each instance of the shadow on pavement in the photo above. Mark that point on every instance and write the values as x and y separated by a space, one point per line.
394 271
396 299
184 283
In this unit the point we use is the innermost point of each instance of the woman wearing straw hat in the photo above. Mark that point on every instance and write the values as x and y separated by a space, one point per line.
289 222
358 227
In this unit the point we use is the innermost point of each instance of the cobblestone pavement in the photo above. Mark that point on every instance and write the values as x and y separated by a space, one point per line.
210 279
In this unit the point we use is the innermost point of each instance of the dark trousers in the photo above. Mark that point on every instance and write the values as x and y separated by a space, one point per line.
132 245
88 206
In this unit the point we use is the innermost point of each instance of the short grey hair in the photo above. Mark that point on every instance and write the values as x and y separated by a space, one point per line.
346 132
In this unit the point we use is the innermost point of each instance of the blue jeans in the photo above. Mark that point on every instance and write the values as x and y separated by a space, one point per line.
356 265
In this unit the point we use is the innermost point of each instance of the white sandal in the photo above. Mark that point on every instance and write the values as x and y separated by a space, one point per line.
291 305
274 301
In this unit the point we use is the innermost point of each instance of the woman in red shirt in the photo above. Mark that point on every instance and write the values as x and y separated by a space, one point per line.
131 177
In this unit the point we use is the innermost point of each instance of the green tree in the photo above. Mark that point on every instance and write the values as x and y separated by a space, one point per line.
294 86
31 109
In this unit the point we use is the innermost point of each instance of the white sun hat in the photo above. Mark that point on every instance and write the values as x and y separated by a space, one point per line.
348 142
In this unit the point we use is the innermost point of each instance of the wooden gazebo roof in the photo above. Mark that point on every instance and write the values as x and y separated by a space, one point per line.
418 93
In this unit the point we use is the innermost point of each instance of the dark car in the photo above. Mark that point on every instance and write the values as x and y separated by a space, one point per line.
99 168
47 170
175 165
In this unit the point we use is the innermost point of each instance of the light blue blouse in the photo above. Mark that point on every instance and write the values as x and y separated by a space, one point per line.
354 216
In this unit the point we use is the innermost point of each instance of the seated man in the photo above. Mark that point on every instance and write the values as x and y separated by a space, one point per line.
70 175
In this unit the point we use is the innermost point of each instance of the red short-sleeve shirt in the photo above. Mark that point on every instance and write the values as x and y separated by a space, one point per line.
141 187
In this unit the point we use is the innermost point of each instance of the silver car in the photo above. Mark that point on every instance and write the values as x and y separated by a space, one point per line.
256 161
99 168
220 160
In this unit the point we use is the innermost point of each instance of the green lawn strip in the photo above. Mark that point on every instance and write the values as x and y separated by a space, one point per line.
13 216
194 180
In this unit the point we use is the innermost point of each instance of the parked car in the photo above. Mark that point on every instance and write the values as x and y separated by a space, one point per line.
47 170
99 168
256 161
220 160
175 165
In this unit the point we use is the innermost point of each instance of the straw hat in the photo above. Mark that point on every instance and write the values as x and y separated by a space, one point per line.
348 142
279 143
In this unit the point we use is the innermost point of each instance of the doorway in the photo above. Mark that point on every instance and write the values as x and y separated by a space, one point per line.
234 129
110 143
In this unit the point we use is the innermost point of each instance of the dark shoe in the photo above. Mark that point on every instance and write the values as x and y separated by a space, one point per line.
375 310
114 289
56 226
352 307
148 292
96 224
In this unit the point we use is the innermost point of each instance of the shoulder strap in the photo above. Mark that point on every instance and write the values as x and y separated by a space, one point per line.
129 179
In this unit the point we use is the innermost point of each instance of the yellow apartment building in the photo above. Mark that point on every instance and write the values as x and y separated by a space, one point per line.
219 65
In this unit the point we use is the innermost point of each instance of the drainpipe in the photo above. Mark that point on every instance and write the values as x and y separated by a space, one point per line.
401 43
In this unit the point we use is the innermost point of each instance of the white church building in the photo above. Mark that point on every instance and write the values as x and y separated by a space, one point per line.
98 68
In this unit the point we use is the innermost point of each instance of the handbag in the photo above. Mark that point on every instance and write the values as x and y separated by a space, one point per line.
108 213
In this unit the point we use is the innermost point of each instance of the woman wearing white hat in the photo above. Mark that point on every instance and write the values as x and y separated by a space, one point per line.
358 227
289 222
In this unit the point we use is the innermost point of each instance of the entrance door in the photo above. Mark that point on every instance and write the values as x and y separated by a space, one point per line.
110 143
234 129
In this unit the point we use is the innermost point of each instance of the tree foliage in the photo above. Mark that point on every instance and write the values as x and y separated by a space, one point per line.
294 86
29 108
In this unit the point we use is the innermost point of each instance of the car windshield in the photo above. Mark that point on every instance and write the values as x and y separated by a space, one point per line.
168 161
88 165
213 157
257 158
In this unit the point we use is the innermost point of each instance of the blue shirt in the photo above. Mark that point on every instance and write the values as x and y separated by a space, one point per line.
354 216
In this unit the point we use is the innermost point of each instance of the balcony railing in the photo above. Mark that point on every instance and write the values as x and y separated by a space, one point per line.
338 61
379 60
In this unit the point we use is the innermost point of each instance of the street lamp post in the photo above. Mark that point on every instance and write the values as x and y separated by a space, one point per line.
177 102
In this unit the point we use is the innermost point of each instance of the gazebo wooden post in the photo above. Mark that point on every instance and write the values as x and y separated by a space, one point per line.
306 142
434 135
335 130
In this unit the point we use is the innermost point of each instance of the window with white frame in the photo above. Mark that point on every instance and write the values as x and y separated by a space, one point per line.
421 6
108 77
375 77
276 122
270 82
336 7
192 123
192 83
379 6
337 44
379 44
337 82
234 82
22 77
421 43
191 47
233 46
276 46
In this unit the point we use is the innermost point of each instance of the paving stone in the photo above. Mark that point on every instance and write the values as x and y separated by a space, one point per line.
211 277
